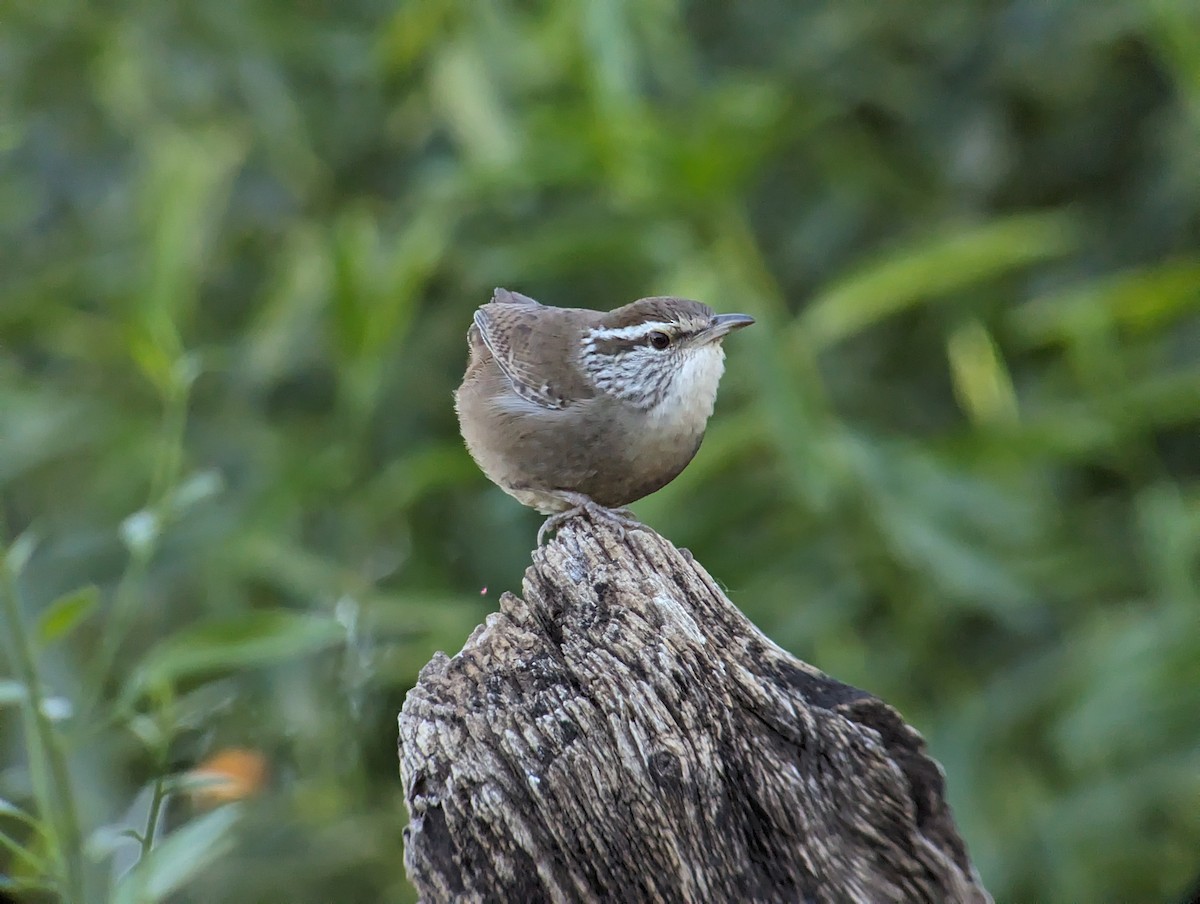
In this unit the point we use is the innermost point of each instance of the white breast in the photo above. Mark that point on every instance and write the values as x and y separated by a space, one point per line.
689 399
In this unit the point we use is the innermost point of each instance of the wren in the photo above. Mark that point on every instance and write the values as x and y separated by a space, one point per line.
570 410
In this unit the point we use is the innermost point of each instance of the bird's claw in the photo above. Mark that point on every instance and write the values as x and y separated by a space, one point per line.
620 518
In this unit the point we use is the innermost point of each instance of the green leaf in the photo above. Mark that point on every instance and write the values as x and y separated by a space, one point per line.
472 106
10 810
1139 300
179 857
253 639
106 840
911 275
195 489
20 552
21 852
65 613
980 377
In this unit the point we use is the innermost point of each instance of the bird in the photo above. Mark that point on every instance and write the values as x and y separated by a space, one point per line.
573 411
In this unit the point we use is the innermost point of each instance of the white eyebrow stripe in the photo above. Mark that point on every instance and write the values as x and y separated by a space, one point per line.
637 331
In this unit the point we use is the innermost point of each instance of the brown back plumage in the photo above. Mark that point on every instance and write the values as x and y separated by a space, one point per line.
526 340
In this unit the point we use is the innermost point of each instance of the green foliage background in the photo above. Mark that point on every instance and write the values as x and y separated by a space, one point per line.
957 463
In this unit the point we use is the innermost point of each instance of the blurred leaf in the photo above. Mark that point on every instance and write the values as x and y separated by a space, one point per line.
1093 733
467 96
807 438
376 288
289 566
930 519
152 735
937 266
981 380
9 810
613 61
39 426
12 692
414 28
179 857
1139 300
23 853
420 473
19 552
61 616
188 178
355 253
105 840
188 175
194 489
140 532
1170 528
284 324
248 640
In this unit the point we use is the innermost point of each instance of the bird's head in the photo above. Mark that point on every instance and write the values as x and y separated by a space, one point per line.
660 354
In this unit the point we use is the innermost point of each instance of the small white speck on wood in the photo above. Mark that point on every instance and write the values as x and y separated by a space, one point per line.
624 733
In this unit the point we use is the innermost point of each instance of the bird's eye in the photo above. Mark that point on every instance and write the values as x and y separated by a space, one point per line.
660 340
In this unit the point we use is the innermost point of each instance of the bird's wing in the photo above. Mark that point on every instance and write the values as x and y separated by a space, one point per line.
526 340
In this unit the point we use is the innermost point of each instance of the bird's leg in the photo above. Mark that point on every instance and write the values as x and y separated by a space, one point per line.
620 518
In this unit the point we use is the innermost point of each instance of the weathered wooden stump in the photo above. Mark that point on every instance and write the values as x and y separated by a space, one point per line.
624 733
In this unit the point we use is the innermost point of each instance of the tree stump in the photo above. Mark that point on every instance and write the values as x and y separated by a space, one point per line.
624 733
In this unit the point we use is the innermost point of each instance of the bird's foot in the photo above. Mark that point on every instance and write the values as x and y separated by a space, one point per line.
620 518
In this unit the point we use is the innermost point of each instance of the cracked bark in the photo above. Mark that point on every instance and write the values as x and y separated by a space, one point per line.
624 733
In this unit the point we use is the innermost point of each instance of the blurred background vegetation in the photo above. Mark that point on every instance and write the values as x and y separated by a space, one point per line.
957 463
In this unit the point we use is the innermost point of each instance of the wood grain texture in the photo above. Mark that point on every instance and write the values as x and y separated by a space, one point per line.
624 733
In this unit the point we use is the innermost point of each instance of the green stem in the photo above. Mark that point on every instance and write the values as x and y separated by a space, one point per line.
124 609
58 802
156 803
166 472
126 598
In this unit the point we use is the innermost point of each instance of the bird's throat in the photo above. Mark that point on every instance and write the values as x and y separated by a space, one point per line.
687 402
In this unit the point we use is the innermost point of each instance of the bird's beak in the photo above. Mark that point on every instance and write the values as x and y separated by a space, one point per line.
724 324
